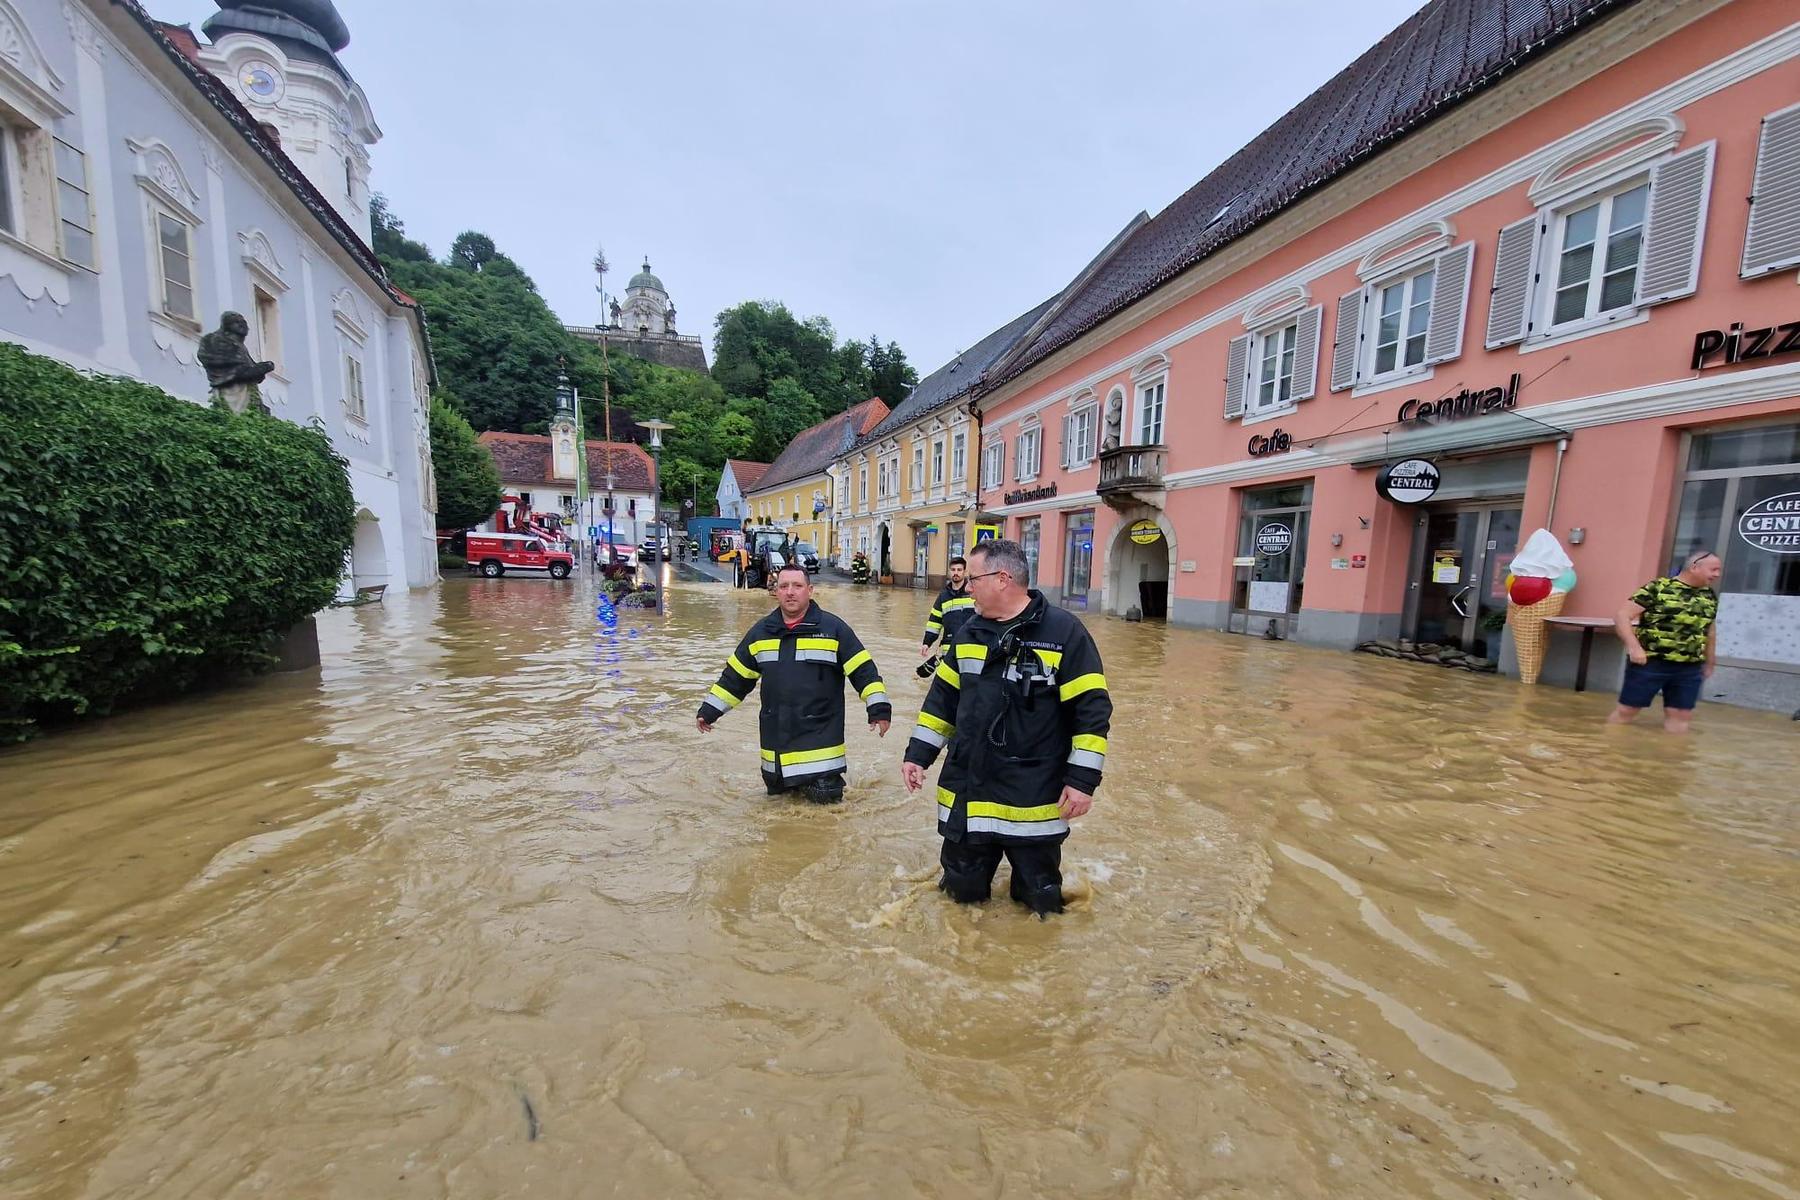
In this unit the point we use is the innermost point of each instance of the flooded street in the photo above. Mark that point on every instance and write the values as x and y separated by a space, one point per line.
475 912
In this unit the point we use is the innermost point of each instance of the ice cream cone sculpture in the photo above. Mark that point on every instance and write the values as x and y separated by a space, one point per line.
1537 586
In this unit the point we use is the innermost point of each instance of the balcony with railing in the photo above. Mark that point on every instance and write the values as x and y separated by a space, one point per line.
1129 471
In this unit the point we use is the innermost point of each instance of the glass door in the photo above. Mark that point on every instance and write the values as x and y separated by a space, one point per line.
1462 578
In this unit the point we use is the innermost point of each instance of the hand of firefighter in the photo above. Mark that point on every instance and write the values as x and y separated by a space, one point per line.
1074 803
703 725
880 727
924 650
914 775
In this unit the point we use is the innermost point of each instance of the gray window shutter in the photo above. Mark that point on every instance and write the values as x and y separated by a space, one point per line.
1773 239
1349 341
1515 269
1306 353
1449 304
1676 225
1065 438
1237 366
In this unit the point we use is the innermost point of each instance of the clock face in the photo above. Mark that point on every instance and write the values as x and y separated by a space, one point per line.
260 80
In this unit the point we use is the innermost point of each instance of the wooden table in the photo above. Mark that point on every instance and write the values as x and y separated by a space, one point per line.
1587 625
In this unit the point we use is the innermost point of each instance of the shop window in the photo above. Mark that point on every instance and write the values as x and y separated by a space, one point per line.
1740 498
955 539
1030 531
1078 558
1592 259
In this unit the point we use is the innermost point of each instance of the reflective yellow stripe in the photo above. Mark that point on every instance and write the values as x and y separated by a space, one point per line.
1050 658
730 700
765 645
1006 812
873 688
946 797
959 602
768 756
948 674
816 643
806 756
936 724
936 613
1083 683
971 650
934 626
741 669
856 660
1088 741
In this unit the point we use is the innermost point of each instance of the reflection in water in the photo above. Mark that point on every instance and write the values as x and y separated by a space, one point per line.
473 911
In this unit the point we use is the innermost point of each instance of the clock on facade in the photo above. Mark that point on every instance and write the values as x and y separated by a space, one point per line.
260 80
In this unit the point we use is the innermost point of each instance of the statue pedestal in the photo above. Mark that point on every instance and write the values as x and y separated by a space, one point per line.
239 397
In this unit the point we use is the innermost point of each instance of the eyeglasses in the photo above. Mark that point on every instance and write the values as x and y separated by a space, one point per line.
986 574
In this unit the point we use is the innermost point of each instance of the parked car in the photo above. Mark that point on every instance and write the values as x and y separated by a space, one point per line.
807 556
653 544
494 554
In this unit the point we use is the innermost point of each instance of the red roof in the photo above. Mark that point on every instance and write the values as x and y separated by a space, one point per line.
524 458
815 449
747 474
182 37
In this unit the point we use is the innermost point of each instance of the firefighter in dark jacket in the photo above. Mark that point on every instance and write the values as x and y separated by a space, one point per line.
1020 700
954 606
803 655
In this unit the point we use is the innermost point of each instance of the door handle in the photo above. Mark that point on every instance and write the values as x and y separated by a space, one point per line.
1456 601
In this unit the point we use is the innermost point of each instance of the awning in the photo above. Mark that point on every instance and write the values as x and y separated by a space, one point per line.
1508 429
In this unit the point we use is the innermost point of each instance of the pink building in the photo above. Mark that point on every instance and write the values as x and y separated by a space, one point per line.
1549 250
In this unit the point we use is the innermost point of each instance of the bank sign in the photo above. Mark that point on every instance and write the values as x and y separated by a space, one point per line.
1773 524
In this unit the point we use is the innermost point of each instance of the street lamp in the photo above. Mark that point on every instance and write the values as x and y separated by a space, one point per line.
656 431
569 397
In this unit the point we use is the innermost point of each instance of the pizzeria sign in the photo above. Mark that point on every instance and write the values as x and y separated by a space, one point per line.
1773 525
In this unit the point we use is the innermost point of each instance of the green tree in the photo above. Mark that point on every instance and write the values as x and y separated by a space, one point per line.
891 377
471 250
468 485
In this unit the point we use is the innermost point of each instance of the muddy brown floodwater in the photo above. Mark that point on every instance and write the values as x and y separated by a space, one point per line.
475 912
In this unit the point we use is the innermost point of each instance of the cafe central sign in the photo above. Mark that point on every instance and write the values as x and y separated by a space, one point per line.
1773 524
1465 403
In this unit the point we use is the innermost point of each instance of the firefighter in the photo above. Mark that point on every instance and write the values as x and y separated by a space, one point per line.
1020 700
803 654
954 606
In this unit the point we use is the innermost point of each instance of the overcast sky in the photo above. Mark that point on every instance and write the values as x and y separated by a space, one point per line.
924 170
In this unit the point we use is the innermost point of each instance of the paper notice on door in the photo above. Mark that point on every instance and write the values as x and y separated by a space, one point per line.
1445 568
1269 596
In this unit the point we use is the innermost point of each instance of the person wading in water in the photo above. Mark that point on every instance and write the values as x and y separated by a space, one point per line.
802 654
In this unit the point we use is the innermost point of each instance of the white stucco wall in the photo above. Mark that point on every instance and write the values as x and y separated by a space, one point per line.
151 138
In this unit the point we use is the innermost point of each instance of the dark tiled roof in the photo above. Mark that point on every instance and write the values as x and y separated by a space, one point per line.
812 450
525 458
1440 56
943 386
746 473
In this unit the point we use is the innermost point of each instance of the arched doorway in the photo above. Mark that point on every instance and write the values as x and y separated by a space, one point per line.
368 553
1139 565
885 558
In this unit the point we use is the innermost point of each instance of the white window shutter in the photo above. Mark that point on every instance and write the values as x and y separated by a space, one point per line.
1237 366
1676 226
1449 304
1773 239
1349 341
1515 269
1306 352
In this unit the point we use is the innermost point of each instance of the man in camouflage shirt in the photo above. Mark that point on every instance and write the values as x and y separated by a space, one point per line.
1669 635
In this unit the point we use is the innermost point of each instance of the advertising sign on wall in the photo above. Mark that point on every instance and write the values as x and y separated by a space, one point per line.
1409 481
1274 539
1773 525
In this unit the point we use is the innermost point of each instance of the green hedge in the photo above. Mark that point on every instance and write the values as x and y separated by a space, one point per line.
149 544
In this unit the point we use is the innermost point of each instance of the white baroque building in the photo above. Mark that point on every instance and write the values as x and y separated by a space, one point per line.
150 182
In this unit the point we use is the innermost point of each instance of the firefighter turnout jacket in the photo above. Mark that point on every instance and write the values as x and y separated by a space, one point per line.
948 614
803 670
1023 708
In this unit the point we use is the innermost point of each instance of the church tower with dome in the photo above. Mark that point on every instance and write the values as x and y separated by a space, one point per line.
642 325
280 57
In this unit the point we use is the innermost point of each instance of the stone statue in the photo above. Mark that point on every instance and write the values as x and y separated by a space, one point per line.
1115 418
227 360
669 319
615 312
